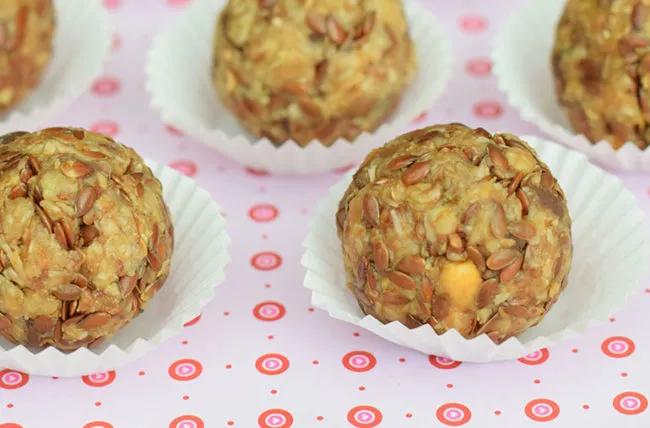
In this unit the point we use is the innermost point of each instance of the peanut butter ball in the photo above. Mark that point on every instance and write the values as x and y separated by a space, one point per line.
456 228
85 237
601 63
26 29
306 69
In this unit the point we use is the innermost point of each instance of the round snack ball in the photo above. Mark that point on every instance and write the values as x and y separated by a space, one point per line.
601 63
26 29
456 228
85 237
305 70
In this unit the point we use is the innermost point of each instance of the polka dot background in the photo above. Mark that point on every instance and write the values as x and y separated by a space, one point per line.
260 356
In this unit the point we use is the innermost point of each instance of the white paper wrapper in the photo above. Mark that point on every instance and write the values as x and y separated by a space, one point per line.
82 40
200 256
522 64
611 250
186 97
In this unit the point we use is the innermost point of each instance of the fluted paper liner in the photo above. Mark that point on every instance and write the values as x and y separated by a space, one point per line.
82 40
179 80
611 252
200 255
522 64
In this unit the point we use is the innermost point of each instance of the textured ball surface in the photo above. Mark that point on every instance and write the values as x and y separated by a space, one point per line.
306 69
601 63
26 30
456 228
85 237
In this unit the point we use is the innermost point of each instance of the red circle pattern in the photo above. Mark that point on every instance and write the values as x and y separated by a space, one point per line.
257 172
98 424
443 362
275 418
472 23
618 347
99 380
488 109
542 410
185 370
193 321
187 421
453 414
359 361
630 403
11 379
478 67
272 364
263 213
106 127
535 358
106 86
185 167
266 261
364 417
269 311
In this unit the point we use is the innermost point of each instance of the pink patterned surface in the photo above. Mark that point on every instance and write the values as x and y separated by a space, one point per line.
259 355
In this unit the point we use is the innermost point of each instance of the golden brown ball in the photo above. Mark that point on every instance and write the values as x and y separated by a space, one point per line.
85 237
304 70
456 228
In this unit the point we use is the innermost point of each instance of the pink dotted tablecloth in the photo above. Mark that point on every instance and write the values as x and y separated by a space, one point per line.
259 355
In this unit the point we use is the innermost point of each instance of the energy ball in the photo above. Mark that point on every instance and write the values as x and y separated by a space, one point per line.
601 63
307 69
85 237
26 29
456 228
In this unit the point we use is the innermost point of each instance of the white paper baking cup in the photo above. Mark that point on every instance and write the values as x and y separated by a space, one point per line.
200 256
81 44
522 64
181 88
611 251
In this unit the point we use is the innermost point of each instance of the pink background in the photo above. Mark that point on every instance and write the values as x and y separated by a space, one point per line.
218 373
